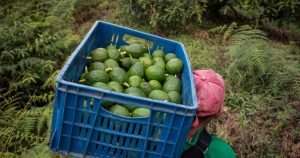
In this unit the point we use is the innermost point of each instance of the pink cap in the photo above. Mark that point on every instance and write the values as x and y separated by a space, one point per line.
210 91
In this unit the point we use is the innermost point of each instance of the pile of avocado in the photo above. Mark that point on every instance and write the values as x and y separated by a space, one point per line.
133 70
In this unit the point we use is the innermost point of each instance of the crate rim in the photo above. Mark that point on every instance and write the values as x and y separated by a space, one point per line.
75 52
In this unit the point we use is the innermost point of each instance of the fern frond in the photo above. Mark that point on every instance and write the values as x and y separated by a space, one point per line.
10 155
50 82
250 37
41 124
9 99
230 30
48 66
7 55
218 30
257 66
30 62
43 98
36 120
29 124
226 30
29 78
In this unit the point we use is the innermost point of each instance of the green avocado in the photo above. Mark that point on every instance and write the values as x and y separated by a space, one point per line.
116 86
169 56
141 112
159 95
146 87
135 50
130 107
155 85
136 69
119 110
119 75
145 61
175 97
160 64
134 60
111 47
135 90
156 59
113 54
102 86
99 55
135 81
137 94
110 63
168 77
147 55
155 73
174 66
96 66
83 75
173 84
126 62
96 76
158 53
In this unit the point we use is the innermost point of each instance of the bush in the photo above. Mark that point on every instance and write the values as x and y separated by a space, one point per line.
273 9
36 37
166 14
176 13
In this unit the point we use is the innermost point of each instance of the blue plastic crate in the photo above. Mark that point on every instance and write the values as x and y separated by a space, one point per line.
82 128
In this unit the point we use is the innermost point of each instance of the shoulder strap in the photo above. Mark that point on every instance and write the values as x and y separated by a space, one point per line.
199 149
203 141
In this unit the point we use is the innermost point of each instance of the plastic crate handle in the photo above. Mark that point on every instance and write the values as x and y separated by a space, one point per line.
122 31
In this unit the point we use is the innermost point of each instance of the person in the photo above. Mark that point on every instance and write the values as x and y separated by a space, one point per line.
210 91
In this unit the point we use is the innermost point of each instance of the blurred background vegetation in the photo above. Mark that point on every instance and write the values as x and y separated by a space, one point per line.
254 44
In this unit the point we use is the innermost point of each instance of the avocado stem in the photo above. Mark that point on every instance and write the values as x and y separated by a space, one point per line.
130 56
86 69
88 58
108 69
148 48
82 81
122 53
126 84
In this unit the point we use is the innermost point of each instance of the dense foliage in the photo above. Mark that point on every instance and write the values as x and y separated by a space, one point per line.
36 37
34 41
173 14
272 9
164 13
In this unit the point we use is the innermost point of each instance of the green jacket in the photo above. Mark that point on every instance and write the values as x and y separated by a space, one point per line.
216 149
